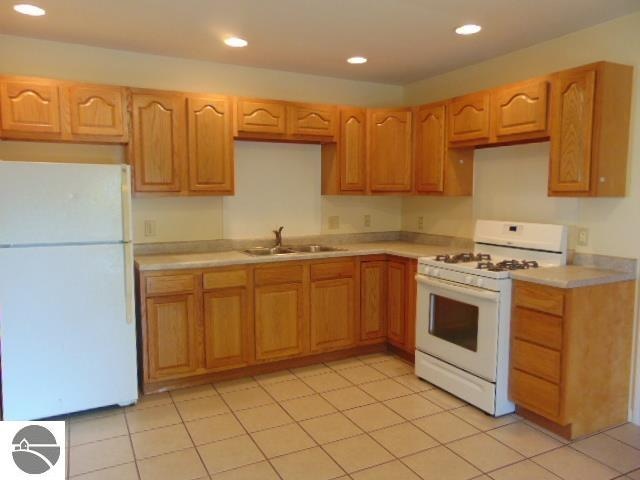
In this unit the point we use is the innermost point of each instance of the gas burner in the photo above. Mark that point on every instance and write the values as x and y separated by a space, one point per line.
485 265
464 258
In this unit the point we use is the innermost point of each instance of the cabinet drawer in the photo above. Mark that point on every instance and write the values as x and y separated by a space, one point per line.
332 270
535 394
165 284
278 275
536 360
538 328
539 297
225 279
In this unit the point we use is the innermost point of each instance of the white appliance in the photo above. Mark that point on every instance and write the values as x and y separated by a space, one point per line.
67 321
464 309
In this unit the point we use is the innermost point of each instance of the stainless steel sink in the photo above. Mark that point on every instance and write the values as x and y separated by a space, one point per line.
289 250
266 251
314 248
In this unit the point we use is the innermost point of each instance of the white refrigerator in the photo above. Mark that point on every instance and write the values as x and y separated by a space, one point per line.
67 315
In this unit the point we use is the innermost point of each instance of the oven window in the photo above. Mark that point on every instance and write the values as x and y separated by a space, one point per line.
455 322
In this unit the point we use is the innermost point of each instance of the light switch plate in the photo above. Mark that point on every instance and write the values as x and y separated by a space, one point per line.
367 220
420 223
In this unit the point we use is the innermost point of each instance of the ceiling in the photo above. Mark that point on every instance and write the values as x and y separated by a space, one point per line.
405 40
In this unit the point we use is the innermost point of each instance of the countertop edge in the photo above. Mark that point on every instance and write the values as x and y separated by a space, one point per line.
611 277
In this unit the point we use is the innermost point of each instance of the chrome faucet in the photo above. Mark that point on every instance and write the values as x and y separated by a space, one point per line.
278 233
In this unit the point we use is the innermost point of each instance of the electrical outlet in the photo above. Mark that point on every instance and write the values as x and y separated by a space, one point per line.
367 220
334 222
420 223
583 237
149 228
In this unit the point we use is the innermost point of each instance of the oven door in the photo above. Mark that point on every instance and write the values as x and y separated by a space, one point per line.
458 324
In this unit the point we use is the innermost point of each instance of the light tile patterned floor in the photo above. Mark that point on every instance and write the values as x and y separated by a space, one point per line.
365 418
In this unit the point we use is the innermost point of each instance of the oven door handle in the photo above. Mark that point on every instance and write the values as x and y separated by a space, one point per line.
466 290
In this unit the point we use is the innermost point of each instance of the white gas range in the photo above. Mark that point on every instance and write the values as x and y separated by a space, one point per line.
464 309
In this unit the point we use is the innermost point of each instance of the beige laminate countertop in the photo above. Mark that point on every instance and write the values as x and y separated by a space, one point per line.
147 263
571 276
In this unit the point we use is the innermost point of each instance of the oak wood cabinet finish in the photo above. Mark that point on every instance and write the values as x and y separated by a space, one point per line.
261 116
389 150
344 163
202 323
571 355
227 318
590 130
521 110
158 150
312 120
210 129
469 118
439 169
52 110
373 300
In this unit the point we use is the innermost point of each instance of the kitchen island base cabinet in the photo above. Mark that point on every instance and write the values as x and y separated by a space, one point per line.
571 355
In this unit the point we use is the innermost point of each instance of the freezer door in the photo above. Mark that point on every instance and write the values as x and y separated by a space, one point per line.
66 340
55 203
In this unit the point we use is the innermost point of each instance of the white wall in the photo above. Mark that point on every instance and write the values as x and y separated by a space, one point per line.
206 218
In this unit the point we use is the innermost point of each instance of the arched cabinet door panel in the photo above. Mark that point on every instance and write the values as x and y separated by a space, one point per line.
97 110
30 106
390 150
521 109
469 118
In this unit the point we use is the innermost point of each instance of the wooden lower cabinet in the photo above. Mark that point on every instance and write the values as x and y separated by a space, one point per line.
571 355
373 300
203 323
280 321
333 306
171 335
401 303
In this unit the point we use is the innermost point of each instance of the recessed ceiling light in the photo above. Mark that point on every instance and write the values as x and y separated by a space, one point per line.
236 42
468 29
357 60
31 10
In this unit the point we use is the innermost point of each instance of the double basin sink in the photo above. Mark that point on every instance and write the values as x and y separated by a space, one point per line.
290 250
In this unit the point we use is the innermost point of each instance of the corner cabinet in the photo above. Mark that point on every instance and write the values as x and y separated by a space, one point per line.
590 130
390 155
344 163
401 303
373 300
564 343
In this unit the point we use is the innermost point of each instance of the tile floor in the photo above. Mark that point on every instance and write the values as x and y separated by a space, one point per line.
365 418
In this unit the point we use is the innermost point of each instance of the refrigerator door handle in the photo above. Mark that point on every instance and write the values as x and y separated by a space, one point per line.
127 226
129 282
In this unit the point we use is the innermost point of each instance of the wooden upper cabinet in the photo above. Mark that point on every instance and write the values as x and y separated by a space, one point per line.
30 106
373 300
210 128
590 130
312 120
572 129
390 150
430 148
521 109
261 116
171 336
158 144
352 150
98 110
469 118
